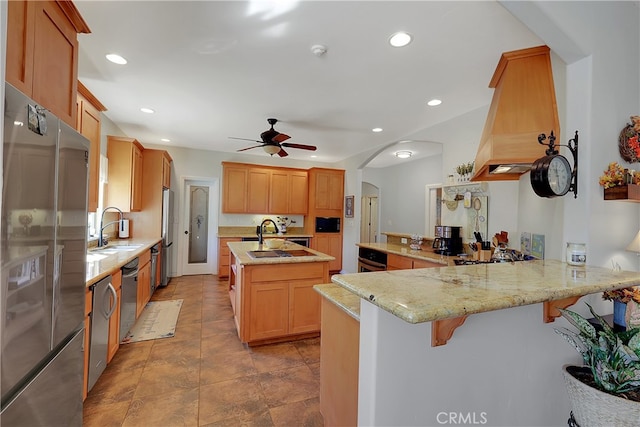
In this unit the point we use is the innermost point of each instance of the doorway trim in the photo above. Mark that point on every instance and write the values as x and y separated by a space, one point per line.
211 267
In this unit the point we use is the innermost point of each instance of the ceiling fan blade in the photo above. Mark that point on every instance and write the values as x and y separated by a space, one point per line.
301 146
282 153
249 148
245 139
281 137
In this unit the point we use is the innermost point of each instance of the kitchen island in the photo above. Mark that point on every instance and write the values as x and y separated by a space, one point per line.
272 294
501 366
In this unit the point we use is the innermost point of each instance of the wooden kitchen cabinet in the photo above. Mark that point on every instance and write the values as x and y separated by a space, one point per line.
148 222
144 282
250 188
113 343
277 302
223 255
88 123
88 305
328 188
398 262
330 244
42 53
125 173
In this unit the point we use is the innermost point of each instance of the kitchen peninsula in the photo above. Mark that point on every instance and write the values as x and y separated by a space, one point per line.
272 292
501 365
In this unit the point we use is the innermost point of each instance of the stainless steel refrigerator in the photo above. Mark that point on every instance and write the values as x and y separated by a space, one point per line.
43 239
167 235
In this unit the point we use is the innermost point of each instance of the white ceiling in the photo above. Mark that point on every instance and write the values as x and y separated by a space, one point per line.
215 69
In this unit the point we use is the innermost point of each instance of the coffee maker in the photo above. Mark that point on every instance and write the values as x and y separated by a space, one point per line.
447 240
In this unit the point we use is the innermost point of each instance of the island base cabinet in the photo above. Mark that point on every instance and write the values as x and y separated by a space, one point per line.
339 362
277 302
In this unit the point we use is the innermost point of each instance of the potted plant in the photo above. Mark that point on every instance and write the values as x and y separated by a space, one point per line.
606 390
620 298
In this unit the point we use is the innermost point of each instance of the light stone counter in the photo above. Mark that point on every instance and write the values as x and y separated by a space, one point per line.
428 294
240 249
347 301
111 263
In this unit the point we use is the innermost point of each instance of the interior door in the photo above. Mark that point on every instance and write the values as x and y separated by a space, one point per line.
369 222
199 249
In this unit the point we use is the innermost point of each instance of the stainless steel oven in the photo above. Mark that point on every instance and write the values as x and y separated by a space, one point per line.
371 260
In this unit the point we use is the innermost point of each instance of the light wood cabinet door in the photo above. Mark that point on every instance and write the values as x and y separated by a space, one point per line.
114 321
258 190
425 264
329 190
88 123
330 244
397 262
268 310
42 53
298 193
166 172
223 255
125 173
279 197
234 193
304 307
144 282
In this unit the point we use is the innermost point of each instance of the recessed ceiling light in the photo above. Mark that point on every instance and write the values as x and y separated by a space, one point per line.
376 130
404 154
165 140
400 39
147 110
313 156
434 102
116 59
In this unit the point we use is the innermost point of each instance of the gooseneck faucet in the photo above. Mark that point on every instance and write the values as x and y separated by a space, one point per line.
262 225
101 240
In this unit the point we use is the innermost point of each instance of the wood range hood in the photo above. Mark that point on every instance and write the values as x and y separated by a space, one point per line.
523 107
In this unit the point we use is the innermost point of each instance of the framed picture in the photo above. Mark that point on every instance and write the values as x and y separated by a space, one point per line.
348 207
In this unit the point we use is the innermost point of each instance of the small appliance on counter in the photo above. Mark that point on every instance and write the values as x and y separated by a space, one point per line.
447 240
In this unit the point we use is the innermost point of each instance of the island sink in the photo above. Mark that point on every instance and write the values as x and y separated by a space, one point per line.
278 253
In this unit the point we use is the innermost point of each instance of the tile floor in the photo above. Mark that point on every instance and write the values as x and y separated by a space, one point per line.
204 376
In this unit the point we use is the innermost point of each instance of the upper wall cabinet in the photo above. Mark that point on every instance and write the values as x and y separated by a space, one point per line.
125 173
42 53
263 190
327 186
88 124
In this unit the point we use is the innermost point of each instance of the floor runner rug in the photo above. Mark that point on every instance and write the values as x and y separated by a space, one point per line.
158 320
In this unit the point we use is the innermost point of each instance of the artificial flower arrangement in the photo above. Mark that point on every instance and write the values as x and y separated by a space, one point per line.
628 143
616 175
623 295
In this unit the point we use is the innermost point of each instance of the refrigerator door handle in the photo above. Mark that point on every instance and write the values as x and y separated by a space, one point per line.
111 289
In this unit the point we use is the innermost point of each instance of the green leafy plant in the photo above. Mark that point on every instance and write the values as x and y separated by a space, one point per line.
612 356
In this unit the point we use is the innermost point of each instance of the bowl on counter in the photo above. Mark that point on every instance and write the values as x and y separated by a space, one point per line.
274 243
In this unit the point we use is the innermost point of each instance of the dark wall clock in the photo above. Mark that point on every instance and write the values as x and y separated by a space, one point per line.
552 175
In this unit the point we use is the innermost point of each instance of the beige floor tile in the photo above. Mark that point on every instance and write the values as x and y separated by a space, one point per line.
276 356
289 385
235 398
105 415
225 366
305 413
166 378
176 408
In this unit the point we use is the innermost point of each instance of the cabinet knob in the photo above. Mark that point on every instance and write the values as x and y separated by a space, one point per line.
186 232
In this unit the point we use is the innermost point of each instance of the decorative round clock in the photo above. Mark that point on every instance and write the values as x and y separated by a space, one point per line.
552 175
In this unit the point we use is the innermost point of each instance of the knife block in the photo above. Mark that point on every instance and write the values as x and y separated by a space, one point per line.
483 255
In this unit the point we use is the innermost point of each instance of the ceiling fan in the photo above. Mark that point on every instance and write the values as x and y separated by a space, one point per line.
273 141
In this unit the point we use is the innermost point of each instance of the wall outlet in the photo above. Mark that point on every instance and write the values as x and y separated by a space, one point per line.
403 240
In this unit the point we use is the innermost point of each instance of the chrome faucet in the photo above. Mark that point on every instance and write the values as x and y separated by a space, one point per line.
101 240
262 225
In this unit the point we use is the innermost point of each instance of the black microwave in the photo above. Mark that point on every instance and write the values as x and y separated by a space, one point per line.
327 225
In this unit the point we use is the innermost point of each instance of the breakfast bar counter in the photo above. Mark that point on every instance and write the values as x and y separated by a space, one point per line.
501 367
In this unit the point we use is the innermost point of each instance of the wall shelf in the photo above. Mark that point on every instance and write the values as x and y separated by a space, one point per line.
479 188
628 193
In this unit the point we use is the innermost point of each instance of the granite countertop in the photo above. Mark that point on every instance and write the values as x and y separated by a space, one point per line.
111 263
426 254
346 300
428 294
240 249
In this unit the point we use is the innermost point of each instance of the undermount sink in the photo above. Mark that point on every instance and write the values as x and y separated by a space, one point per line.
277 253
112 249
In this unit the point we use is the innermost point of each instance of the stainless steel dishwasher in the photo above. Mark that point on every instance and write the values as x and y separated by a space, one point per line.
103 308
129 294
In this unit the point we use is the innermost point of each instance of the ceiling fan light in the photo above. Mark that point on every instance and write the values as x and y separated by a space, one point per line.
271 149
403 154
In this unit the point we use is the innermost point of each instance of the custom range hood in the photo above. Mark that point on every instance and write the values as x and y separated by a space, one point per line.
523 106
